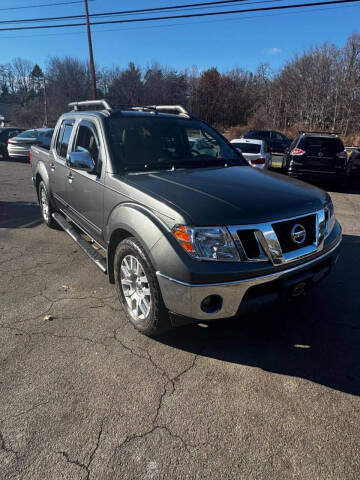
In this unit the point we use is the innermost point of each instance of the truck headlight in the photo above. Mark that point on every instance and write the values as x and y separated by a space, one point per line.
329 215
207 243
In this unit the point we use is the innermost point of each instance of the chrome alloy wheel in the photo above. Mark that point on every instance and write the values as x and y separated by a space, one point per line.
44 204
135 287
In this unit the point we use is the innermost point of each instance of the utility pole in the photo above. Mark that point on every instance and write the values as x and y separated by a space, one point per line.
45 104
92 67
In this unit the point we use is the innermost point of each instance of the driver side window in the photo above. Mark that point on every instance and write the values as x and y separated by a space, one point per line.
86 141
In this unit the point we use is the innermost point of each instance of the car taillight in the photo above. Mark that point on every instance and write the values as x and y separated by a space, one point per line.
297 151
258 161
342 155
30 159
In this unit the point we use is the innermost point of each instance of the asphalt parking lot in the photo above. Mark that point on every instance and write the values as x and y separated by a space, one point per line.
84 396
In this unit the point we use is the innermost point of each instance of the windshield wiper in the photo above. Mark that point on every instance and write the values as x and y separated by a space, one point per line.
204 162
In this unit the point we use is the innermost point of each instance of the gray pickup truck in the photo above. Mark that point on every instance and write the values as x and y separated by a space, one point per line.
187 230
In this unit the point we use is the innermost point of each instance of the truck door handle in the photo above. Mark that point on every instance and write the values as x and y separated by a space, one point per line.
52 167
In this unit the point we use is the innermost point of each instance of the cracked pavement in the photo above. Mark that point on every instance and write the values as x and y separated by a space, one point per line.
84 396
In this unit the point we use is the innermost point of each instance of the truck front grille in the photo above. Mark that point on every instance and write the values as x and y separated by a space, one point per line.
283 232
278 241
249 243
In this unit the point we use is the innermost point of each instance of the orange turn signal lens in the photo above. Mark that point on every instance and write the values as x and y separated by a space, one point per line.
181 234
187 246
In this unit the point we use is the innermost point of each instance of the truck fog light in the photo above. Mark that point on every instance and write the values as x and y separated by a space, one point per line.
211 304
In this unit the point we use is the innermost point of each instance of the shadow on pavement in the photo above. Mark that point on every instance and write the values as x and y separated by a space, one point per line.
320 341
19 215
15 160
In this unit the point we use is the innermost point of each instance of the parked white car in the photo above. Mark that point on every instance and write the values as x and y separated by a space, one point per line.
202 146
256 152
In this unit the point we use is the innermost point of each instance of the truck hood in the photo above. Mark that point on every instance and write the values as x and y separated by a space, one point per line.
230 196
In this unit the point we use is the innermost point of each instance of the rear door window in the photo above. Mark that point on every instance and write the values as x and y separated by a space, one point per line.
62 143
278 136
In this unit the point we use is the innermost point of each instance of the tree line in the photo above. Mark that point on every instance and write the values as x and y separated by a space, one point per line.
319 89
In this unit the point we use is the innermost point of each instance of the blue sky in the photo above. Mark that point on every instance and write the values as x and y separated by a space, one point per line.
226 42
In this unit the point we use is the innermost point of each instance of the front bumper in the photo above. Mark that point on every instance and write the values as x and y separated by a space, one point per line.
186 299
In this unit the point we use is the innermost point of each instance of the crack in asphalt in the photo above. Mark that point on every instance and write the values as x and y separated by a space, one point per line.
168 388
86 467
53 302
169 381
147 355
130 438
25 411
48 334
6 449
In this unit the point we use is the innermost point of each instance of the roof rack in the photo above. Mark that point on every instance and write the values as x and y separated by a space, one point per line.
90 103
173 109
324 133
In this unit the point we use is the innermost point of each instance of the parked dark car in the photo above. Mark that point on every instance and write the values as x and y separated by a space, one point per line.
354 163
5 134
186 236
277 141
317 156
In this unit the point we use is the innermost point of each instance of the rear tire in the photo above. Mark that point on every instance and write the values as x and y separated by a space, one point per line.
45 206
138 289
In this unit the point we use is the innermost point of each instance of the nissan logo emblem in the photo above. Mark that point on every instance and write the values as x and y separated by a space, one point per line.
298 234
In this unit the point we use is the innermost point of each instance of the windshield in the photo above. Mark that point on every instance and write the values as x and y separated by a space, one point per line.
247 147
30 134
142 143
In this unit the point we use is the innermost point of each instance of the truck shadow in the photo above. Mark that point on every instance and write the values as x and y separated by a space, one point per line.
320 341
19 215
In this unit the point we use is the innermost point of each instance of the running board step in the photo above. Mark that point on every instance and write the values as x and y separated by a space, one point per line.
95 256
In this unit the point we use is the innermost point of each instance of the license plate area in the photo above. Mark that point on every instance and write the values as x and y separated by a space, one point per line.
296 288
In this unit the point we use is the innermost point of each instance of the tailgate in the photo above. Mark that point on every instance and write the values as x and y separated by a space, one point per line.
321 155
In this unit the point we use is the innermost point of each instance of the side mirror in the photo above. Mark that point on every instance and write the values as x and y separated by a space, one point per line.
81 161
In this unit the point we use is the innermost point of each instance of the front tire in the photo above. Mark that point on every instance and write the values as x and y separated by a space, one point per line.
138 289
45 206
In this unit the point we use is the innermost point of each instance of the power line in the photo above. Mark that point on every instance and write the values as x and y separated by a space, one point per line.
190 15
42 5
169 25
129 12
